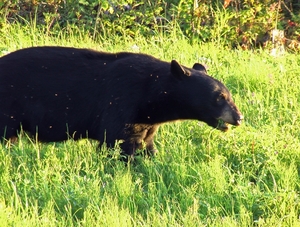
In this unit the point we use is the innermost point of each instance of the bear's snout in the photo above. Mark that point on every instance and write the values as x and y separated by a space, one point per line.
239 120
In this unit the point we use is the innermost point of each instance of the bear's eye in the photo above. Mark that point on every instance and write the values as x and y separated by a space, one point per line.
221 97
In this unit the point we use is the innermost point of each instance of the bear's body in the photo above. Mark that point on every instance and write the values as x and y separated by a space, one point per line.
56 93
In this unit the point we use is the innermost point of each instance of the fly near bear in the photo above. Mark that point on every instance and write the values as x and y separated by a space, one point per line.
58 92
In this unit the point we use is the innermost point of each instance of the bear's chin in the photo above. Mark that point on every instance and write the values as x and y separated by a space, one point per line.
222 125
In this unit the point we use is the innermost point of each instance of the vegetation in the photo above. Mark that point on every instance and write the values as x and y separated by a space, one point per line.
246 23
248 176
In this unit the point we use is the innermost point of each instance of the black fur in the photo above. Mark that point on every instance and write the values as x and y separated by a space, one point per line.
59 92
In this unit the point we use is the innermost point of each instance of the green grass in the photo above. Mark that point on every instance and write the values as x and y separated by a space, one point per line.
248 176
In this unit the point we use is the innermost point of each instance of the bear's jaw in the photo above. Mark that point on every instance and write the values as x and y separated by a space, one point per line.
222 125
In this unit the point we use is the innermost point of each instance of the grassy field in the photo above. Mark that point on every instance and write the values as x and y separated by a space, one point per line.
248 176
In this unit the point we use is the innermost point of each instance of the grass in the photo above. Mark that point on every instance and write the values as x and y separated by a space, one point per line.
248 176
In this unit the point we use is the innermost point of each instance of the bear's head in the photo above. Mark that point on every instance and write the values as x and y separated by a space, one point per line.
204 98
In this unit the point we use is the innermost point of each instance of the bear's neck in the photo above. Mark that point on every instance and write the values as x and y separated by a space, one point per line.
164 109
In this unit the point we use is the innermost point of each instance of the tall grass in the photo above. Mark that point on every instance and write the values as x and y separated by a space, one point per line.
248 176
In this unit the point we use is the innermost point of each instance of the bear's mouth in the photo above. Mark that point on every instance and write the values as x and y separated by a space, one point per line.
222 125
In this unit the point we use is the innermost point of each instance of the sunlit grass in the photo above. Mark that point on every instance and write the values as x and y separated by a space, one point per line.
248 176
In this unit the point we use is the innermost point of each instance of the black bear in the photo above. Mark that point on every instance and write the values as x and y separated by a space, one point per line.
58 92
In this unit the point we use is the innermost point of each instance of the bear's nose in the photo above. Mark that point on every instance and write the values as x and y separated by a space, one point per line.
239 120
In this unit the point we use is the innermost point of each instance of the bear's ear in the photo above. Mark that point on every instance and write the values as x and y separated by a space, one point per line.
200 68
178 71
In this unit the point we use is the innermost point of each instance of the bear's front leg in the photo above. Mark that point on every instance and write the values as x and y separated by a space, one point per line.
149 140
133 136
136 135
129 150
